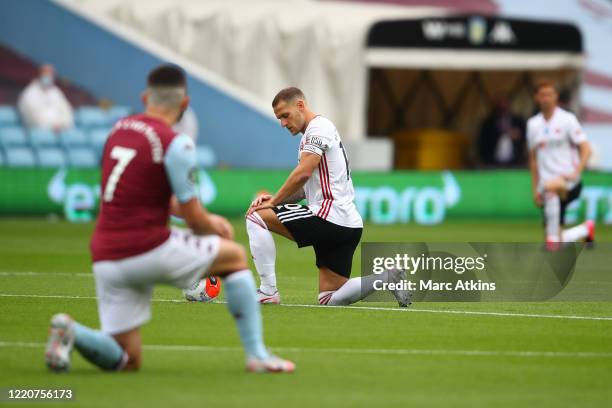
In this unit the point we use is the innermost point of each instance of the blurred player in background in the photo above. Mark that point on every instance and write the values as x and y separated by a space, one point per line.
558 153
146 175
330 222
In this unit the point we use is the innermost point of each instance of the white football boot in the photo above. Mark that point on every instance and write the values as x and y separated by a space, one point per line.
273 299
403 296
60 343
272 364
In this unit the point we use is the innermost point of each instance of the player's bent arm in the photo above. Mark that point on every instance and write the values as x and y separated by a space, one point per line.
180 164
175 208
585 153
296 180
196 217
296 197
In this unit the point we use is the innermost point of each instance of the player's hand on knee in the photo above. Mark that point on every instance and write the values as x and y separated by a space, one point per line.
259 207
537 198
221 226
260 200
572 177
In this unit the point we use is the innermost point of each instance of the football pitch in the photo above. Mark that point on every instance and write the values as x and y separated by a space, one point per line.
547 354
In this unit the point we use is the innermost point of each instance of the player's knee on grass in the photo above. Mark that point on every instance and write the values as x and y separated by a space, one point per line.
231 258
131 345
133 363
330 280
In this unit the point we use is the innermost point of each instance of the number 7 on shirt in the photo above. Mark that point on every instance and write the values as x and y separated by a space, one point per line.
124 156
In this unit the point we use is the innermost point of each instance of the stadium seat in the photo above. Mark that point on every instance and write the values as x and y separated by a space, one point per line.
82 157
51 157
91 116
13 136
8 116
205 157
73 138
97 139
20 157
43 138
1 159
117 112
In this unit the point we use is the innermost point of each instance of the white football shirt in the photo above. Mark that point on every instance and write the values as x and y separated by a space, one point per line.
556 144
329 191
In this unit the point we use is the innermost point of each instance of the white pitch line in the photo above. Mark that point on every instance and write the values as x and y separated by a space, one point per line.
30 273
466 312
76 297
389 309
417 352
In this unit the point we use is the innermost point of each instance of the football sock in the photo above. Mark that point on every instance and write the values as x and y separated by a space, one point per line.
243 305
576 233
99 348
263 251
552 210
353 290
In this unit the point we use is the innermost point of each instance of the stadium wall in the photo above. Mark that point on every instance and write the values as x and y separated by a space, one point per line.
427 198
113 67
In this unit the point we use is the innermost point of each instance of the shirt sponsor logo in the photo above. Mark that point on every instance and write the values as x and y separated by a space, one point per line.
315 140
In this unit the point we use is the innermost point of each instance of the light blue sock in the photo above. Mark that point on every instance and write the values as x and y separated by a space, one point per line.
242 304
99 348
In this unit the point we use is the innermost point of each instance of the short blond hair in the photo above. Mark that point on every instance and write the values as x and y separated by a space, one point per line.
288 95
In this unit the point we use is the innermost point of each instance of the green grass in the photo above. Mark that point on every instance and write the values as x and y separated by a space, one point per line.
346 357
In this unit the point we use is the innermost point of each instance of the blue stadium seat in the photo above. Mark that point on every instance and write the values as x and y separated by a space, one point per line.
8 116
20 157
205 157
117 112
14 136
51 157
43 137
83 157
91 116
1 159
73 138
97 139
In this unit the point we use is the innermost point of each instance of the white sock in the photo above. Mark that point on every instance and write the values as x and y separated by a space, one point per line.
552 210
574 234
353 290
263 251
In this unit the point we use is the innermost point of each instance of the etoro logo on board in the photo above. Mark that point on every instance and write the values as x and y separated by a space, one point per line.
425 205
80 200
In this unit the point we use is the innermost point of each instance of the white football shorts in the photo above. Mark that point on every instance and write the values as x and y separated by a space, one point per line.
125 287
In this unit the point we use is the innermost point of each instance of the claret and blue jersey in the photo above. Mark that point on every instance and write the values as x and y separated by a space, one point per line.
143 164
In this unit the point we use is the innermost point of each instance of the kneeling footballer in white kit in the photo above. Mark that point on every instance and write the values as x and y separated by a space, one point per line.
330 222
558 153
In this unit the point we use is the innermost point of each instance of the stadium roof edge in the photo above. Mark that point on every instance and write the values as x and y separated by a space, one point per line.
151 46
